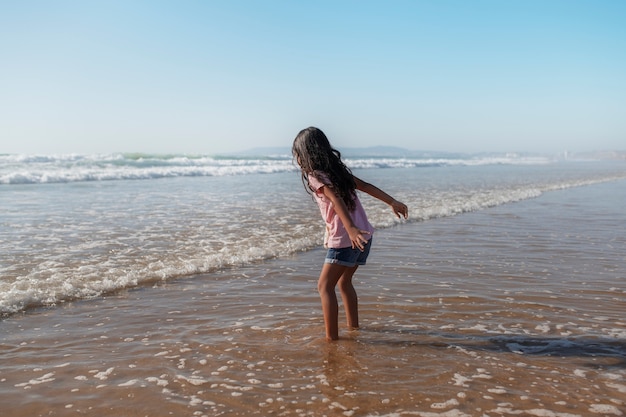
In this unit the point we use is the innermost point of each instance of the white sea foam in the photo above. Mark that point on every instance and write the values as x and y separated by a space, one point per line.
605 409
42 169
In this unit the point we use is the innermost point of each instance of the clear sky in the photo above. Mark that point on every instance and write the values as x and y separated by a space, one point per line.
220 76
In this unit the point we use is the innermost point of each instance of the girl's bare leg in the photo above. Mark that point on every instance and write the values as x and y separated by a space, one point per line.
349 297
330 275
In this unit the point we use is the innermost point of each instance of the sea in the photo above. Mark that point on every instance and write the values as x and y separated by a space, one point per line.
185 285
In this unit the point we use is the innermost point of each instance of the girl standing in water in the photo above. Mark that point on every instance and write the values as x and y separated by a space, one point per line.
348 232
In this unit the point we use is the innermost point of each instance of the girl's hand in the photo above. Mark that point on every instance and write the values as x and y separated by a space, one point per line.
399 209
357 237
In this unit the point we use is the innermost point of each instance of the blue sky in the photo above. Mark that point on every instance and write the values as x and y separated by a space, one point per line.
220 76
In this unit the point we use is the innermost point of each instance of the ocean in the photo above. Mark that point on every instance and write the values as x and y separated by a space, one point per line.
137 284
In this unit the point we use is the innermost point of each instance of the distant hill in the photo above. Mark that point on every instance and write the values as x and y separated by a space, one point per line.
597 155
397 152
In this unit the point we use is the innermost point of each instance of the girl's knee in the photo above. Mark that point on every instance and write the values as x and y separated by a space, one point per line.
345 285
330 275
325 287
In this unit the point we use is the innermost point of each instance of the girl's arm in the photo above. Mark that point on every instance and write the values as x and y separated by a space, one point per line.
399 208
356 234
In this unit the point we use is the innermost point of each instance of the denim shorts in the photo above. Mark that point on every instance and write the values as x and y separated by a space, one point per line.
348 256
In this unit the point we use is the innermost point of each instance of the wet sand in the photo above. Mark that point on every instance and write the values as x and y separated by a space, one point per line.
514 310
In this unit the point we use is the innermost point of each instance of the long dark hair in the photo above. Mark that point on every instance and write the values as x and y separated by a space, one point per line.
313 152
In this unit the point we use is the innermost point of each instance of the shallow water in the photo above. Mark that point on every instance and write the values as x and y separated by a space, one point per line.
73 240
510 310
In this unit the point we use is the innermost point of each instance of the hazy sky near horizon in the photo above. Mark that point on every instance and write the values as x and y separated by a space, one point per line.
222 76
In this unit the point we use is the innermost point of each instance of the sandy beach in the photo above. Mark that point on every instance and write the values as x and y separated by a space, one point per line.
512 310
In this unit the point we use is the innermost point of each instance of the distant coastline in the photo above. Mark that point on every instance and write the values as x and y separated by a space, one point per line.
397 152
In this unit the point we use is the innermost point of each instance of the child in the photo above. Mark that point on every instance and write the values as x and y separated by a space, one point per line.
348 232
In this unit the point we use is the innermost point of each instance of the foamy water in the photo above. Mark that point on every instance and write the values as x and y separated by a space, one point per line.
64 235
43 169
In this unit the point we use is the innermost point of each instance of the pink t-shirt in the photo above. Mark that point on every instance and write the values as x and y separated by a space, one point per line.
336 235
